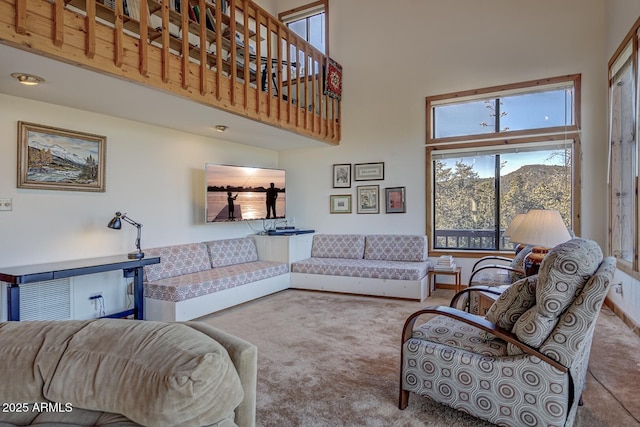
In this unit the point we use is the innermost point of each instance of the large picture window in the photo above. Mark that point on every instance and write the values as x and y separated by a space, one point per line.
496 152
623 152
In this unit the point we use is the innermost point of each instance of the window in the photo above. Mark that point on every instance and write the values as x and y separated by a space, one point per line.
623 152
496 152
310 23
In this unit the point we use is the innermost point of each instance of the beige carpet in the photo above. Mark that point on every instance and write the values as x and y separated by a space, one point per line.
333 360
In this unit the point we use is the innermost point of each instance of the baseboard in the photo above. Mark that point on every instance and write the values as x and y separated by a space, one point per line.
635 327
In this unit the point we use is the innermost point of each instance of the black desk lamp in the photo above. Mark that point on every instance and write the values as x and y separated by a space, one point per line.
116 224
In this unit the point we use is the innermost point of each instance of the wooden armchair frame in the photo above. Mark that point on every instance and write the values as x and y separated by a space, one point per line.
470 319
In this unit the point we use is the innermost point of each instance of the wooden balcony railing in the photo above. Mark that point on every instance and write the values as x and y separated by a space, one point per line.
240 59
470 240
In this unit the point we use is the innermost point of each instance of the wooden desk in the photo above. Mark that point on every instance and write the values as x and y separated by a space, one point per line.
457 274
16 276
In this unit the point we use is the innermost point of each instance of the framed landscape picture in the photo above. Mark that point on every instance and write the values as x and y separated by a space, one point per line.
50 158
368 199
395 199
340 203
342 176
368 171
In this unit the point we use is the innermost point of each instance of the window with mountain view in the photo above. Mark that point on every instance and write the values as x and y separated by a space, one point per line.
497 152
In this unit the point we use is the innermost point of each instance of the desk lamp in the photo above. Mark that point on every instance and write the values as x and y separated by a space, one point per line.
543 229
116 224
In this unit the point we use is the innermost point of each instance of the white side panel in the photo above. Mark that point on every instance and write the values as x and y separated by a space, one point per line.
169 311
410 289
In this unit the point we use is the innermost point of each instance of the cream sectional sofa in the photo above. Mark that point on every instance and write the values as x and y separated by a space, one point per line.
118 373
392 265
195 279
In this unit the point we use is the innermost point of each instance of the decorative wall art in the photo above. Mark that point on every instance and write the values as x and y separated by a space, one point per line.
368 199
50 158
395 199
333 79
342 176
340 203
368 171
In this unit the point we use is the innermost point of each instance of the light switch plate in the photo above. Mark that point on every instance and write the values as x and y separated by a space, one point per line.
6 205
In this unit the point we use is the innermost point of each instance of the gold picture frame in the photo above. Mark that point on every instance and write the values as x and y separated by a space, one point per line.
51 158
340 203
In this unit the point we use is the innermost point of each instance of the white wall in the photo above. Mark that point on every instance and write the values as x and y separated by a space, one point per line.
154 174
393 57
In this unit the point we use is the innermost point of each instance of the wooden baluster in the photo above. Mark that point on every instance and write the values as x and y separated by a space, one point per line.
288 45
247 59
258 60
314 82
218 51
117 35
300 103
184 24
203 47
90 28
232 37
143 58
58 23
279 72
165 40
269 66
21 16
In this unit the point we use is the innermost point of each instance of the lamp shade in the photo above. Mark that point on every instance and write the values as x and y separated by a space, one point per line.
513 225
541 227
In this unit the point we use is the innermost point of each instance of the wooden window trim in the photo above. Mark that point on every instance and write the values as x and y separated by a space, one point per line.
633 38
283 15
504 138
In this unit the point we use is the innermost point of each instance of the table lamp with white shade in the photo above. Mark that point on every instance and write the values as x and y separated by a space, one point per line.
543 229
511 228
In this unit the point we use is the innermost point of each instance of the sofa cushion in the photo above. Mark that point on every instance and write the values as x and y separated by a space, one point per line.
391 270
396 247
177 260
232 251
338 246
153 373
213 280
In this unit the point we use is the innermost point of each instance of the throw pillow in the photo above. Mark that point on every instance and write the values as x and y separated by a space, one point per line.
513 302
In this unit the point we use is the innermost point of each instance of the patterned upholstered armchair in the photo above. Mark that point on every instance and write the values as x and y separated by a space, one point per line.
525 363
495 271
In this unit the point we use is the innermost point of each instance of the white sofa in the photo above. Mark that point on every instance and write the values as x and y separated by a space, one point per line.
196 279
391 265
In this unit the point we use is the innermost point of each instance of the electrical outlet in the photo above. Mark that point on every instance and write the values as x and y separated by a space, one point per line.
6 204
94 299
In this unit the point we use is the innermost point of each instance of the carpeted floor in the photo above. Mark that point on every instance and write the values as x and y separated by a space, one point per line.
333 360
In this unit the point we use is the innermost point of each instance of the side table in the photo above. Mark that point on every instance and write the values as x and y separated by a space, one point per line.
457 274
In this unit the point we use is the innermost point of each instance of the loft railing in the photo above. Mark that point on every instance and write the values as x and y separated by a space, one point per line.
235 56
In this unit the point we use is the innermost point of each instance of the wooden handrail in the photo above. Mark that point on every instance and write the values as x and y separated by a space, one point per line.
246 62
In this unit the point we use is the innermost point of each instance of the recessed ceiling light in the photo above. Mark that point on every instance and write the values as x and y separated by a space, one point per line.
28 79
221 128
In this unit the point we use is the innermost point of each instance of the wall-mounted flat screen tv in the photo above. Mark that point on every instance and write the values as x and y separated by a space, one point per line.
238 193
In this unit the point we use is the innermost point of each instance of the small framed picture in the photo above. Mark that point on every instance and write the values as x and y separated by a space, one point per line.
340 203
368 199
395 199
342 176
368 171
